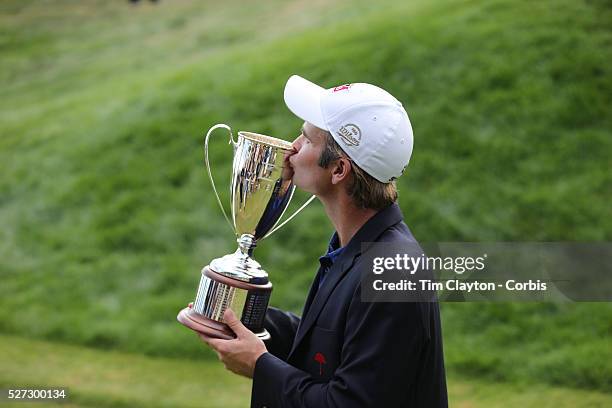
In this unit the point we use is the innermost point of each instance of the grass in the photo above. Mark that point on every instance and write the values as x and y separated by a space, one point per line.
107 216
111 379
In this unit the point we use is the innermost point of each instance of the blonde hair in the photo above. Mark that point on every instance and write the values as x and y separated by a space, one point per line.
366 191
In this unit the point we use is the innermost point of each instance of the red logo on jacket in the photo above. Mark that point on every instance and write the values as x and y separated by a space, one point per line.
320 358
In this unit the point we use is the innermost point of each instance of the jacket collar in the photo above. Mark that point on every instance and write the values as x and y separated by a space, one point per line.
369 232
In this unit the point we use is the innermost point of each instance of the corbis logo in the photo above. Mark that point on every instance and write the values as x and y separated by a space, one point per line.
350 134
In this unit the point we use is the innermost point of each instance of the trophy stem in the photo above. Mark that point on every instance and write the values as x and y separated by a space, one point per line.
247 244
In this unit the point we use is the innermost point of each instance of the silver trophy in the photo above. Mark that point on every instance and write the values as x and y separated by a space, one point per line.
260 192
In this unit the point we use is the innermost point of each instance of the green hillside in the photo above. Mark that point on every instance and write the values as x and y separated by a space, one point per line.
107 215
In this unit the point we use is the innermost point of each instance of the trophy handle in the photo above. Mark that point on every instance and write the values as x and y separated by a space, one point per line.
212 181
292 215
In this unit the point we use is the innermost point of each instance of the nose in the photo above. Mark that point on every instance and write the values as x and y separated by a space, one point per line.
297 144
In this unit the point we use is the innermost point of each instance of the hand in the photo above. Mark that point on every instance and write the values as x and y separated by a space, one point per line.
239 355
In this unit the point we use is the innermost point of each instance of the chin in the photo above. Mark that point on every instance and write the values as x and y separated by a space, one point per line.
298 184
296 180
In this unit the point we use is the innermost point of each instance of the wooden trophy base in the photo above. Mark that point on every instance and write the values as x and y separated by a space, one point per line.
204 325
209 327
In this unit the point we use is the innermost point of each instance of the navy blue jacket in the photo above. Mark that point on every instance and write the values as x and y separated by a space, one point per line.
348 353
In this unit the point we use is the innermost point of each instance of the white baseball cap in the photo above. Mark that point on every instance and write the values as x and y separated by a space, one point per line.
370 125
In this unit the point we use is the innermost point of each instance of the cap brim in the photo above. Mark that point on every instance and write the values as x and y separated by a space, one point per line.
303 98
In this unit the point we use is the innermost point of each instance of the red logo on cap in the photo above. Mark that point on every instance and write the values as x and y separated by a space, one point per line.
342 87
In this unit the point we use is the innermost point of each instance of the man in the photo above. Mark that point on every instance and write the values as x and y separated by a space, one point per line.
346 352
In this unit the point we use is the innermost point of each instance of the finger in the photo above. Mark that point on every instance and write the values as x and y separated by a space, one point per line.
203 337
229 317
211 341
219 345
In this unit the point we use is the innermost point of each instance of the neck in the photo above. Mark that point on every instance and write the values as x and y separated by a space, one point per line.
345 216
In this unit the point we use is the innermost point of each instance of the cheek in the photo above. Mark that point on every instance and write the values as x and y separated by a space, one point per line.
303 156
307 156
311 154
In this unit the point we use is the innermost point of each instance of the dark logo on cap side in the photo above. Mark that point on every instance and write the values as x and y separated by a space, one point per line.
350 134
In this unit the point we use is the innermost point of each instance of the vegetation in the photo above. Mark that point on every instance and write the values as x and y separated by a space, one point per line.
97 378
107 215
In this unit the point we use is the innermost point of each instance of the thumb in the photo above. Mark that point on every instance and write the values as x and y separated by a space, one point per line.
229 317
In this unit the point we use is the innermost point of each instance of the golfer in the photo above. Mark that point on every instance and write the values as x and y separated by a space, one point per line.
345 352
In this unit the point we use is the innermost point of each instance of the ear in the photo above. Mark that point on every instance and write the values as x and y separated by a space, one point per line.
341 170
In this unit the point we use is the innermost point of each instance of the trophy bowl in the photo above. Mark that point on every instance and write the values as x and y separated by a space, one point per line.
260 191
